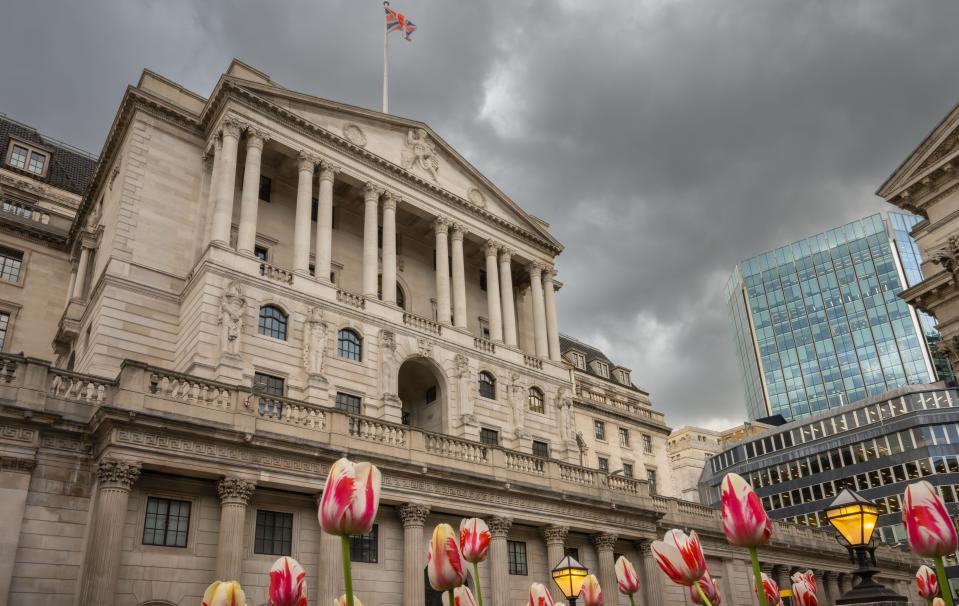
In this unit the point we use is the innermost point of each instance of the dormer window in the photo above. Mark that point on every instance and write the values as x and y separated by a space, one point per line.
26 158
578 360
601 368
622 376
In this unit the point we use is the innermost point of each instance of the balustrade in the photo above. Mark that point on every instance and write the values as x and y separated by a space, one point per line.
73 386
516 461
183 388
455 448
578 475
25 211
8 370
276 273
421 323
533 362
291 412
378 431
484 345
351 299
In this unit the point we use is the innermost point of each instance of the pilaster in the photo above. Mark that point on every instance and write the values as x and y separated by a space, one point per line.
498 559
235 494
413 516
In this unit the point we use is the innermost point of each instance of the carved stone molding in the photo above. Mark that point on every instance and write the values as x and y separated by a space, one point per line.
371 192
645 548
499 526
492 248
413 514
441 225
554 533
231 127
354 134
17 464
536 270
424 347
475 196
948 256
505 254
113 473
235 490
389 200
328 170
604 541
420 153
256 138
305 162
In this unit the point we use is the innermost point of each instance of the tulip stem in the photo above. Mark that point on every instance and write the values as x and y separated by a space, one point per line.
347 572
479 591
452 598
944 587
632 600
702 595
760 590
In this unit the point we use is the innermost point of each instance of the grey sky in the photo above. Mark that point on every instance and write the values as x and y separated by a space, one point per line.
663 140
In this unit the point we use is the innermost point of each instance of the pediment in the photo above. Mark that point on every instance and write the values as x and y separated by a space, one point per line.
938 148
412 145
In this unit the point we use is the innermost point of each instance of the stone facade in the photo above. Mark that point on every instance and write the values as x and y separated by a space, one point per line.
689 448
219 348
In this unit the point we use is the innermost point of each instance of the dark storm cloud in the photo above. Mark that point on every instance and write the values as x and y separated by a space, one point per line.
664 141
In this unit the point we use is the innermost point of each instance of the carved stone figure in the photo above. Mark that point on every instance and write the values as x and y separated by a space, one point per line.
314 340
388 368
232 309
517 398
567 429
424 347
354 134
420 153
462 365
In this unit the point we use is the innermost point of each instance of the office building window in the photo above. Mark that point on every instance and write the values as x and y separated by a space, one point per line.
365 547
489 436
350 345
516 553
272 322
167 522
603 463
274 533
536 400
10 263
540 449
599 428
647 444
487 385
624 437
266 187
349 403
628 470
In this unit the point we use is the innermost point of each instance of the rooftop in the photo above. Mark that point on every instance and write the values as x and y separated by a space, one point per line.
71 168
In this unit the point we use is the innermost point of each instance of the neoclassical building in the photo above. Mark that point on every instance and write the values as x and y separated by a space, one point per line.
252 284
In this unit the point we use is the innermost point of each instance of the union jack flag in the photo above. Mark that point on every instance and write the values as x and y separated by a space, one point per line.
397 22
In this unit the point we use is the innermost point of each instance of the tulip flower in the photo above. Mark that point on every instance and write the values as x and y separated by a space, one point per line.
627 579
591 592
929 529
444 565
770 593
745 522
474 546
224 593
462 596
341 601
680 557
287 583
926 582
804 592
705 592
350 500
538 596
938 602
809 576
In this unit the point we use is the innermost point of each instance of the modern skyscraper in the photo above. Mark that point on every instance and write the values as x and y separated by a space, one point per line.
819 322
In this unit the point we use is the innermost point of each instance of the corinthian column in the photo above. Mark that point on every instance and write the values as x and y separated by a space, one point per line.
831 581
214 188
250 196
555 537
371 195
226 186
324 223
301 223
235 495
493 305
552 326
389 248
652 582
539 309
459 277
506 295
498 559
605 543
441 227
114 481
413 516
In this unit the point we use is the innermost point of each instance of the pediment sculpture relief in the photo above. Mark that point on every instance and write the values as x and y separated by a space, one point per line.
420 153
354 134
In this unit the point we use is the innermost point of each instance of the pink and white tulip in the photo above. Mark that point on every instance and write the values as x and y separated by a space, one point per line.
938 602
474 540
287 583
224 593
680 557
771 591
744 520
462 596
350 498
538 596
809 576
591 592
929 529
626 577
710 588
341 601
926 582
804 592
444 565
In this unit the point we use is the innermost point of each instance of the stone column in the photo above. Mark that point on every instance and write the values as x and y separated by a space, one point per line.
498 560
324 222
73 282
114 480
371 196
552 324
441 227
301 223
729 577
493 305
80 283
506 295
389 248
555 537
413 516
459 276
235 495
539 309
250 196
226 186
329 577
605 543
845 583
781 576
652 581
215 175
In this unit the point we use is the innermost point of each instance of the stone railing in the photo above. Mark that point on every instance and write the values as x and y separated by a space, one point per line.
278 274
484 345
8 369
421 323
517 461
625 484
291 412
353 300
190 390
82 388
456 448
575 474
381 432
532 362
24 211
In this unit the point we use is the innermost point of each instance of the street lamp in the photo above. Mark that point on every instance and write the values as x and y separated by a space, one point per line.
854 518
568 576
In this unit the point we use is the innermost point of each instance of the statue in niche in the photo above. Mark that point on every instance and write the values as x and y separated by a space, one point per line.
387 362
518 402
314 340
232 308
567 428
420 153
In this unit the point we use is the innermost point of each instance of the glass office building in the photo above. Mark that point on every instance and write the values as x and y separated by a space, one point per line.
819 323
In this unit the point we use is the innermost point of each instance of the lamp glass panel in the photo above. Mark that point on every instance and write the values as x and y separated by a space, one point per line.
855 523
569 579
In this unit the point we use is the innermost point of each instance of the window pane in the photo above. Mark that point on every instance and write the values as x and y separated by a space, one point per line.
10 262
18 157
274 533
36 163
516 552
365 547
489 436
348 403
349 345
272 322
167 522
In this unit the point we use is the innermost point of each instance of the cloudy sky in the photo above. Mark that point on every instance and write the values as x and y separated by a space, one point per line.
663 140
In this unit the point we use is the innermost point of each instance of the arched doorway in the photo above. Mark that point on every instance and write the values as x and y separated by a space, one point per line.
423 394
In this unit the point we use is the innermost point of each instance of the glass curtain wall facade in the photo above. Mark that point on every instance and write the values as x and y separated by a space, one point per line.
819 322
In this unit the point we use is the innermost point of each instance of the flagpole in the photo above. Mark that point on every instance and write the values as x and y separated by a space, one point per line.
386 63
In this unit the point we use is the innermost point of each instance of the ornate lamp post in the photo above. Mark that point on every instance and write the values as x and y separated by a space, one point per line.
568 576
854 518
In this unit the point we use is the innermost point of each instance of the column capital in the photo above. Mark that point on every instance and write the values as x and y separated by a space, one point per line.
389 200
492 248
604 541
441 225
230 127
305 162
549 272
235 490
371 192
535 270
554 533
255 137
506 253
413 514
114 473
499 526
459 230
644 547
217 144
328 170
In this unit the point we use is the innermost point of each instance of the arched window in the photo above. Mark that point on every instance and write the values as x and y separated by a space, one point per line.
273 322
400 296
535 400
350 345
487 385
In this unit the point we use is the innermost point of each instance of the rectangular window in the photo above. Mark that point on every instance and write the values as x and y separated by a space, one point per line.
268 384
647 444
600 429
260 252
603 464
349 403
516 553
482 280
572 552
18 157
4 323
651 478
489 436
624 437
578 359
37 162
274 533
314 210
628 470
365 547
10 263
266 187
540 449
167 522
